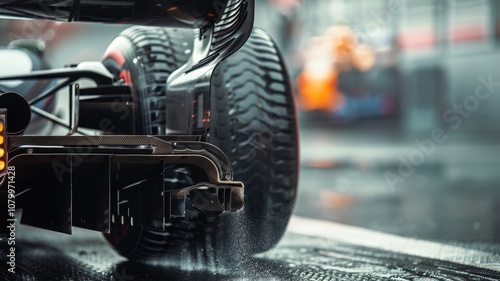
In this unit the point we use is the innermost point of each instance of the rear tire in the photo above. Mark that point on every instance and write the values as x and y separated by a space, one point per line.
144 57
253 121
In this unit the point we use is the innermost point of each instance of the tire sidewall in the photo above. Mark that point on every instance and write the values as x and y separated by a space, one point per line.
122 60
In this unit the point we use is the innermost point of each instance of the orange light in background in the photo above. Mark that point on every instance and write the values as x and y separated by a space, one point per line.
317 83
318 92
3 143
326 56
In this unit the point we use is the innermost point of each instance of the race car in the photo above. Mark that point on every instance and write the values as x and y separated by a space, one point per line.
186 142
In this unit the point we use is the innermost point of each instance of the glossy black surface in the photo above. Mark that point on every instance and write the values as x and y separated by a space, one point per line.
85 256
147 12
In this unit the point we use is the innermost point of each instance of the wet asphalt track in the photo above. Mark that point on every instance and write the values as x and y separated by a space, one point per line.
357 254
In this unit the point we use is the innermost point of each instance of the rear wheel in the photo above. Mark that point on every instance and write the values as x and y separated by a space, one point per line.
252 120
254 123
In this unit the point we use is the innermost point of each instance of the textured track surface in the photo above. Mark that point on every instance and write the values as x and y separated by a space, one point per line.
42 255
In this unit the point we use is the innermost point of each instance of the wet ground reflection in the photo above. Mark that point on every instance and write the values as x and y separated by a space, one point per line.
297 257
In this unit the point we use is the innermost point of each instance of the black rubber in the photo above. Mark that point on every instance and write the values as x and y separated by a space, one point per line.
151 54
253 121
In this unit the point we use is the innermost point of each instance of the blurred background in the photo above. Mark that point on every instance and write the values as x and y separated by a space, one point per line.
399 111
398 104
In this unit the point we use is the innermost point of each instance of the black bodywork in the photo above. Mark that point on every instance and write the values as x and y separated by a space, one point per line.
71 180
